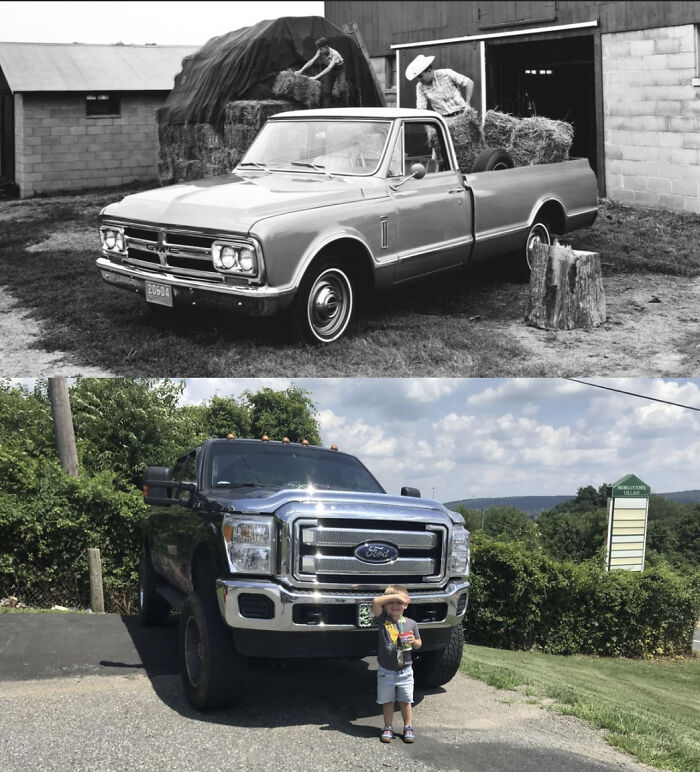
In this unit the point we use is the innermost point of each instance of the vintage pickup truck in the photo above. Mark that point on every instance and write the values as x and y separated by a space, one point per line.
329 204
276 549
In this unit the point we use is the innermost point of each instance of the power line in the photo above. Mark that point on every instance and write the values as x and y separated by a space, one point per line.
633 394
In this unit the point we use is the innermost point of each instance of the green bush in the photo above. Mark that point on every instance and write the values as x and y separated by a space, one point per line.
522 598
47 530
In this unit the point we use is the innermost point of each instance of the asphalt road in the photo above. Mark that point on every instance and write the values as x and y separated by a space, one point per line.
98 692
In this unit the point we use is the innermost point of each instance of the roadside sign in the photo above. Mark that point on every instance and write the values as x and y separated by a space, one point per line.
628 508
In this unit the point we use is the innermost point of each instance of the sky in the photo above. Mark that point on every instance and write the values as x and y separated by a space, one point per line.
470 438
164 23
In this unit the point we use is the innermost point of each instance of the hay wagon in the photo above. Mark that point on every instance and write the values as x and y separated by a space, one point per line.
329 204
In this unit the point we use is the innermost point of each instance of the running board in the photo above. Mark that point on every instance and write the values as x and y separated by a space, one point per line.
175 597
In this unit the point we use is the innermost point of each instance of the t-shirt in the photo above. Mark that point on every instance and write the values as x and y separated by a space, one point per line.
389 655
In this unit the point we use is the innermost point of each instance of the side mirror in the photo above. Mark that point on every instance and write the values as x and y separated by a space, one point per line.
418 171
406 491
154 492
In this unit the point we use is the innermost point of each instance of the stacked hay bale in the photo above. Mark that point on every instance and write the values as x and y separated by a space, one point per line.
535 140
467 138
298 88
194 151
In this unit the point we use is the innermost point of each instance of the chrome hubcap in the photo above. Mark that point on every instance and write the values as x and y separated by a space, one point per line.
538 235
330 305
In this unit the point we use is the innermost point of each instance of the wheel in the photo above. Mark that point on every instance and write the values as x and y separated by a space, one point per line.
492 159
153 609
211 669
435 668
325 304
538 234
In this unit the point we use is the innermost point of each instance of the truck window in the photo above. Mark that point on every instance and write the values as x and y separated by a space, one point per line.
424 143
271 466
184 469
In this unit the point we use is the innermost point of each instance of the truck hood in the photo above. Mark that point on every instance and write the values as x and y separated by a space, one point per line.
234 202
314 503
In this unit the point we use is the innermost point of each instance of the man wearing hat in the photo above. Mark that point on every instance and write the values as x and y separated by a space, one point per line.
440 88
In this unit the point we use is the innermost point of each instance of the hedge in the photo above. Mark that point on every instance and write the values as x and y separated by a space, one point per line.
521 599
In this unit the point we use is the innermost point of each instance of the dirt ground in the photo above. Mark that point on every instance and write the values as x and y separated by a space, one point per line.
652 328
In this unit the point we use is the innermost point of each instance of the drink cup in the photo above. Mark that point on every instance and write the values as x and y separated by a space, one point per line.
404 640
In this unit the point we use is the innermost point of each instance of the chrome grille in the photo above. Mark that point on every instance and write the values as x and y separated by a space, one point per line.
326 552
179 253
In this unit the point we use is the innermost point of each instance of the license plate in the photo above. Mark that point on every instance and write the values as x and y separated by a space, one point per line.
159 293
365 614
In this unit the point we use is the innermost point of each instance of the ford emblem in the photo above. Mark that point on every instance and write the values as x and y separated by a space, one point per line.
376 552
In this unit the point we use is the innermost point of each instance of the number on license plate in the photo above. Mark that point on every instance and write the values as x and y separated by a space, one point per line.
158 293
365 614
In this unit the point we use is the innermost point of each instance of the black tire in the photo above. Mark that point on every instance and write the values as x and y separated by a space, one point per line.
492 159
153 609
435 668
211 669
325 304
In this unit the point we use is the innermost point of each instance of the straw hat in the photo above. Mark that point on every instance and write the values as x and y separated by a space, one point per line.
418 65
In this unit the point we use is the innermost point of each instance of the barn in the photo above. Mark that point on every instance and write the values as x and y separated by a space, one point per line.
626 74
76 116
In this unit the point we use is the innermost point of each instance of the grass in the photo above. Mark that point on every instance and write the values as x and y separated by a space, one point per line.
650 709
442 327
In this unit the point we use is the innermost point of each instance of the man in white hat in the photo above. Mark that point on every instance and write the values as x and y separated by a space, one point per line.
441 89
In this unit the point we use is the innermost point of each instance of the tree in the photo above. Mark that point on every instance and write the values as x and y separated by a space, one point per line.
125 424
225 415
506 522
288 413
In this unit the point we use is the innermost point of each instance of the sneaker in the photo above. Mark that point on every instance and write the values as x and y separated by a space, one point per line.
409 736
387 735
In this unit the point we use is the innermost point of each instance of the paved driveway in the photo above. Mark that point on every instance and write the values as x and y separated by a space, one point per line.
87 692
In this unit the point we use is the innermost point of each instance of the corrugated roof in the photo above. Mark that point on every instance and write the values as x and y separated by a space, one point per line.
83 67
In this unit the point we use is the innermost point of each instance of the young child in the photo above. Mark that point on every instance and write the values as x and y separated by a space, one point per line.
395 674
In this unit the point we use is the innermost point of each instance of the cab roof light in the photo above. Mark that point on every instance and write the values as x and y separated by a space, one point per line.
285 440
265 438
230 436
334 447
304 442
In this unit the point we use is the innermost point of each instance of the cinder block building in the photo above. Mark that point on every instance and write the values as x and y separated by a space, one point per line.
76 116
626 74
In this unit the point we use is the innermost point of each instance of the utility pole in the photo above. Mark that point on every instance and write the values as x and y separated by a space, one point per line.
63 425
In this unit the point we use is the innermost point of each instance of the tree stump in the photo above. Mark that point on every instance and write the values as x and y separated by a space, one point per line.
566 288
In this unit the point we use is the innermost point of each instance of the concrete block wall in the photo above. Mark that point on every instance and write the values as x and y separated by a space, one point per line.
652 118
58 147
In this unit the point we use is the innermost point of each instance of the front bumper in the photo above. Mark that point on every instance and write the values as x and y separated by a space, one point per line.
255 301
303 623
281 602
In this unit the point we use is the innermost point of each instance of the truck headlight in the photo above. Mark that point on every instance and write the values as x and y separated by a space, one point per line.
112 238
234 258
250 544
459 559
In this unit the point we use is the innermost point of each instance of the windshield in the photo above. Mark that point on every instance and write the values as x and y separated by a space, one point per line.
284 466
335 147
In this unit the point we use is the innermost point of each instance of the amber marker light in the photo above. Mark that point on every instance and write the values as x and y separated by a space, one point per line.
334 447
304 442
285 440
230 436
265 438
228 532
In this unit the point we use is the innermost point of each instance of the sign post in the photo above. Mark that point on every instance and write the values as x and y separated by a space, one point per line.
628 507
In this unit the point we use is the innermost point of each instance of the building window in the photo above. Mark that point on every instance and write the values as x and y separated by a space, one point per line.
101 104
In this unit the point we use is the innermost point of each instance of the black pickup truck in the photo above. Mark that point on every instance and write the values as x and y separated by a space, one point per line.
276 549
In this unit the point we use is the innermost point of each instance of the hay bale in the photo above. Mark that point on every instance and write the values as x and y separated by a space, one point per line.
254 112
300 88
540 140
467 137
499 129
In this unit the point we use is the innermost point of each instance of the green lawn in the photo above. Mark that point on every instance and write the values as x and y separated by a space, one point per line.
650 709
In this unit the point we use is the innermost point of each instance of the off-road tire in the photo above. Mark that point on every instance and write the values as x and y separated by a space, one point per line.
153 609
492 159
435 668
211 669
325 304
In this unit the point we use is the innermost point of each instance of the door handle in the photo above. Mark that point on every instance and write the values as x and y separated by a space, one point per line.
455 190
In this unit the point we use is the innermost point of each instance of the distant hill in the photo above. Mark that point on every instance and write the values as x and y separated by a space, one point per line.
532 506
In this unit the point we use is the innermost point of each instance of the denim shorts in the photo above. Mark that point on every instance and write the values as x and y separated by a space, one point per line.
395 685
